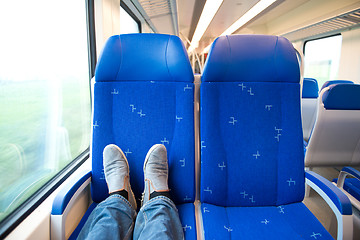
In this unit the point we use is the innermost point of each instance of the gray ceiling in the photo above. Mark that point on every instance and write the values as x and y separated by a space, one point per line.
293 18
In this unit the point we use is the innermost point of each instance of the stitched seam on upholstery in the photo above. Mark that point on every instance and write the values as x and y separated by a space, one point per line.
290 225
228 222
228 60
175 126
278 146
121 59
166 60
223 147
178 85
275 57
227 173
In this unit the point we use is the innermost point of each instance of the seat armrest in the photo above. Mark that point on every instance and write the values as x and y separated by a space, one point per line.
344 173
63 198
337 201
73 200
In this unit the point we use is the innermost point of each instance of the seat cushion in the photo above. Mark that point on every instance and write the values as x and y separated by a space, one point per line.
137 115
296 222
187 218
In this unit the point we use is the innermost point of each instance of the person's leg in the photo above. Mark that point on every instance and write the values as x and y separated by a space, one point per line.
114 217
158 217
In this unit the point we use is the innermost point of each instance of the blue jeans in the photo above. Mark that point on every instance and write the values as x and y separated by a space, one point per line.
114 218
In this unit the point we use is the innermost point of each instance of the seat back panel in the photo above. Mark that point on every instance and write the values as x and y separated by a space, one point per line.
252 142
137 115
144 95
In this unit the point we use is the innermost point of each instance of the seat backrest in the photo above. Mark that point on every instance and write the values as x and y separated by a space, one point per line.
328 83
143 95
309 105
335 140
251 136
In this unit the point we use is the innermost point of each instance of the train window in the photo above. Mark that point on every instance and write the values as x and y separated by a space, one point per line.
128 22
44 94
322 57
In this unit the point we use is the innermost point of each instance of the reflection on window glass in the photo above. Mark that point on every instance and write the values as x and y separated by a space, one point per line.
127 23
322 59
44 94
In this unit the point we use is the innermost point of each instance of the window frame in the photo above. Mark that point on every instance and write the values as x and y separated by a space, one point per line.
320 81
10 222
132 15
313 39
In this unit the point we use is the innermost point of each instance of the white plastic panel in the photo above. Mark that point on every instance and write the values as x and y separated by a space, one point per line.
335 140
309 107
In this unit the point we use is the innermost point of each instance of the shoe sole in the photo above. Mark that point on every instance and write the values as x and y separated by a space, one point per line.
127 164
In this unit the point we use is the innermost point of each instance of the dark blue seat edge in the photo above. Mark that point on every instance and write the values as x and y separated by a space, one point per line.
63 198
339 198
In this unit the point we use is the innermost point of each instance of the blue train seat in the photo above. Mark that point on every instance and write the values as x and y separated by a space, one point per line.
309 106
251 140
335 141
335 138
332 82
144 95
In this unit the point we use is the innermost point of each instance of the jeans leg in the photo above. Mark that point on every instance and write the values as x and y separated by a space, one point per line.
113 218
158 219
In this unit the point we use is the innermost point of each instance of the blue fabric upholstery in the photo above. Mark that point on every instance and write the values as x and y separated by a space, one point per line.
233 60
339 199
293 221
263 131
352 186
150 57
251 140
310 88
187 217
144 95
342 96
159 112
332 82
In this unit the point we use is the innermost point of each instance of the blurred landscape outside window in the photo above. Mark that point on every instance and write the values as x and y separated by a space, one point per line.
44 94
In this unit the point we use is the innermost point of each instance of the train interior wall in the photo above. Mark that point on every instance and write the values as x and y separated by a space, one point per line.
37 225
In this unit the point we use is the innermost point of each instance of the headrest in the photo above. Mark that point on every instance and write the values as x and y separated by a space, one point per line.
251 58
342 97
310 88
328 83
144 57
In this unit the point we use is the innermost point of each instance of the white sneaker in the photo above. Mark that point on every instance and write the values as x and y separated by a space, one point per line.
116 169
155 172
